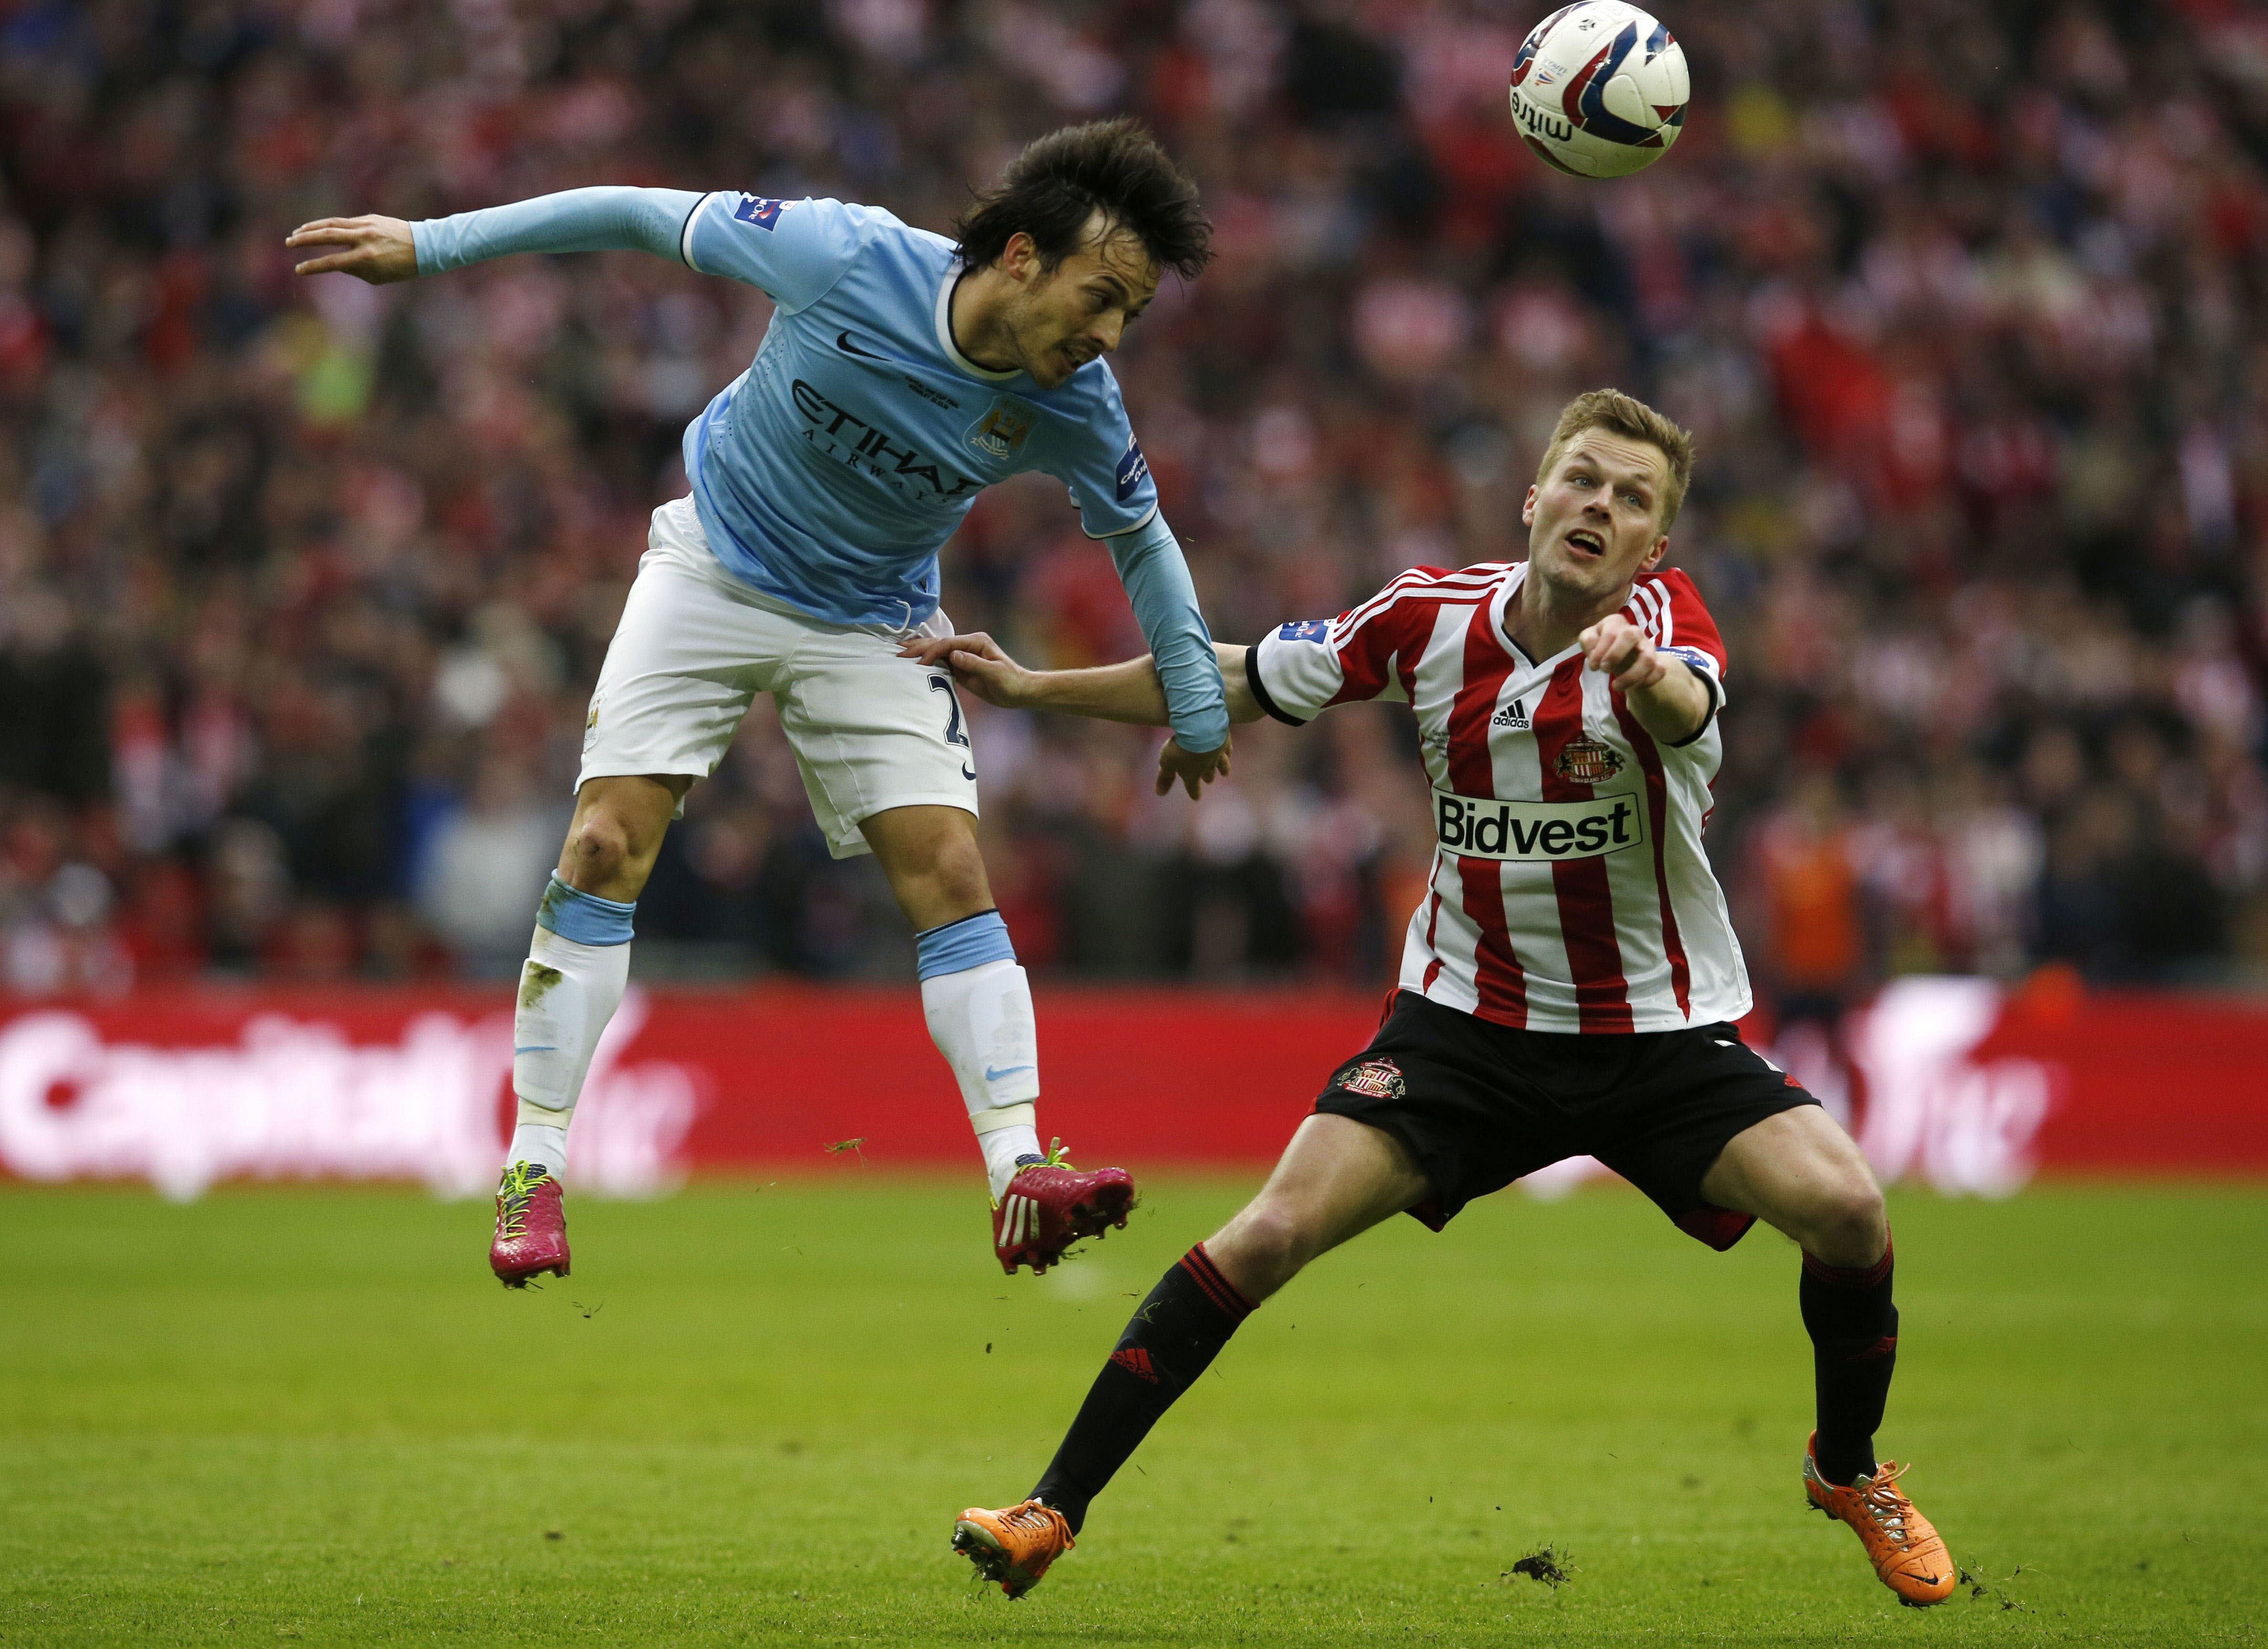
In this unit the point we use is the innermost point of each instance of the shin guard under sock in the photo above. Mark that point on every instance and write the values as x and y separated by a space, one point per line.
1854 1349
978 1004
578 967
1171 1341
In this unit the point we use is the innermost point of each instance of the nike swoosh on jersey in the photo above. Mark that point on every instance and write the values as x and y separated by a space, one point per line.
991 1075
842 343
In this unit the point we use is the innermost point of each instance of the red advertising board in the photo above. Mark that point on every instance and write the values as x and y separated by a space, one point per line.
1947 1081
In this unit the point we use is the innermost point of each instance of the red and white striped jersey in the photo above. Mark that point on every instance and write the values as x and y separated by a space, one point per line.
1569 891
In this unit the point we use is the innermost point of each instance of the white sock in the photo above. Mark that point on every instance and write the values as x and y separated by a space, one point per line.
981 1020
1004 1147
568 992
544 1142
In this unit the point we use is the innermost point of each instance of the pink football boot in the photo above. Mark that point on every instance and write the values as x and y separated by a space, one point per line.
1049 1205
531 1226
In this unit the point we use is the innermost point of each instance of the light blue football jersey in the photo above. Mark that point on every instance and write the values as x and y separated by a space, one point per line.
831 472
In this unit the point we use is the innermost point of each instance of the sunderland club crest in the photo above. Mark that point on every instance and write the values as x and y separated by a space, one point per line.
1374 1079
1585 761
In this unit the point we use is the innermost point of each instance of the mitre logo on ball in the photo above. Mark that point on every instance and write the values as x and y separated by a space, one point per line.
1599 89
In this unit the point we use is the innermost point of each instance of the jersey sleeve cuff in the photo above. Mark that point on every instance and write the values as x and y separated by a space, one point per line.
1716 699
1259 693
1147 517
685 234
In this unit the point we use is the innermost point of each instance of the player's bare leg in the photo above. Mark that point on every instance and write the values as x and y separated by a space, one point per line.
1336 1179
978 1004
935 868
572 982
1800 1173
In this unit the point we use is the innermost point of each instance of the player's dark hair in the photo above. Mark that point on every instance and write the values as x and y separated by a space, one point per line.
1061 181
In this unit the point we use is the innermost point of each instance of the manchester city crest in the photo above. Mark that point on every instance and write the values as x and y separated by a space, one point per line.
1001 430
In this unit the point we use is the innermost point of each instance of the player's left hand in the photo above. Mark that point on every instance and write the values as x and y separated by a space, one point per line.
1622 652
1195 768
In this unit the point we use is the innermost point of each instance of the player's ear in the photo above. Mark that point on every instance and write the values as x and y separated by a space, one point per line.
1528 507
1653 555
1019 258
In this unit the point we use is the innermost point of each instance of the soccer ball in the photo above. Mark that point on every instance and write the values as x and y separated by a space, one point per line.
1599 89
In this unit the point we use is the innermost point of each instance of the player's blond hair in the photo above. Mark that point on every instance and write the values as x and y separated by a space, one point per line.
1628 416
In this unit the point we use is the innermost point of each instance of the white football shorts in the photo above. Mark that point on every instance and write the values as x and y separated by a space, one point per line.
871 731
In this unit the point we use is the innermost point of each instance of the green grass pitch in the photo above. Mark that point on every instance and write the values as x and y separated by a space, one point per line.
751 1415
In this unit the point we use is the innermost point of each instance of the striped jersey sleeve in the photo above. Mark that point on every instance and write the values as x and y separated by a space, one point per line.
1371 651
1670 609
1667 607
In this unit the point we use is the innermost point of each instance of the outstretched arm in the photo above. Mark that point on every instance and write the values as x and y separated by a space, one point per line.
1128 692
606 219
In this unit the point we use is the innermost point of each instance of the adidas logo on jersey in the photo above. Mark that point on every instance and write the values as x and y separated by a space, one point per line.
1514 714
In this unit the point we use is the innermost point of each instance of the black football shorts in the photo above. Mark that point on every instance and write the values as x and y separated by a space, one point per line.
1479 1104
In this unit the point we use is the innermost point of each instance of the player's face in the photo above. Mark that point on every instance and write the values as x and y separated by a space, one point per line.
1063 318
1594 521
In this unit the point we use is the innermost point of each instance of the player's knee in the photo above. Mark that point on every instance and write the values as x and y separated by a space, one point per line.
1851 1225
945 874
1272 1240
598 847
960 873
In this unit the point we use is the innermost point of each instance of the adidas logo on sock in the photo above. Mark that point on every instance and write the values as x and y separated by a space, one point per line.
1136 1361
1513 715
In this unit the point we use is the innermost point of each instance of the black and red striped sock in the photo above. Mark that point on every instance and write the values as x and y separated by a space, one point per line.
1171 1341
1854 1350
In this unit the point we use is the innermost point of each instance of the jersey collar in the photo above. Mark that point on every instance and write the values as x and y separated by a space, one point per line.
1499 635
952 274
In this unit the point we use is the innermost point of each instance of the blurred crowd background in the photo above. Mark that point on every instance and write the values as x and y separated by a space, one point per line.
303 583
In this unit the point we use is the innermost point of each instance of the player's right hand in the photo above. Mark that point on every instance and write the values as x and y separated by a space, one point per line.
979 663
379 250
1192 770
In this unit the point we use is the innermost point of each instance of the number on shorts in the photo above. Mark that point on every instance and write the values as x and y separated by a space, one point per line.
954 733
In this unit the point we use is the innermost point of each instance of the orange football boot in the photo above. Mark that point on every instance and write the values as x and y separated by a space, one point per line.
1904 1549
1014 1545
